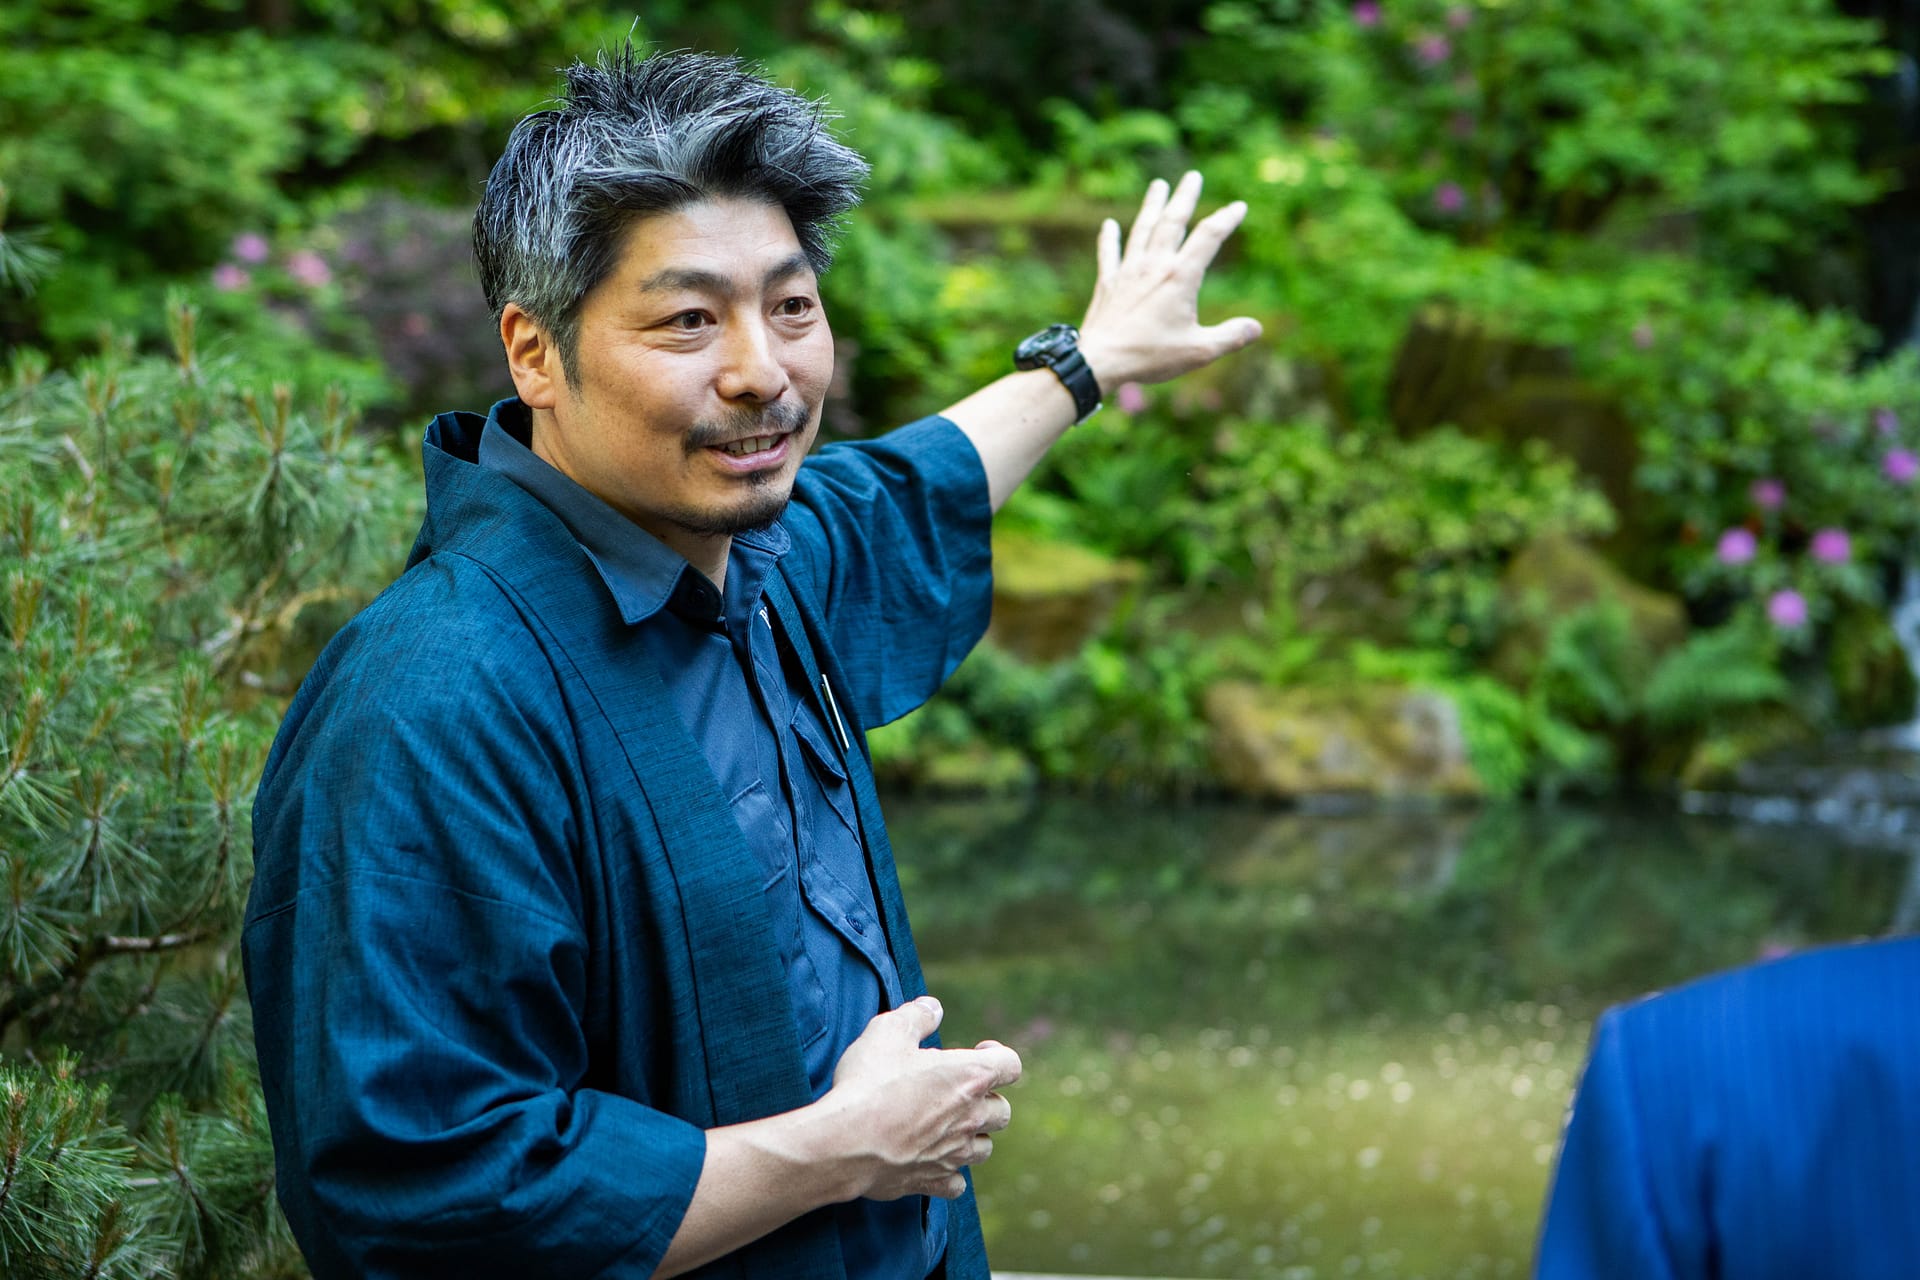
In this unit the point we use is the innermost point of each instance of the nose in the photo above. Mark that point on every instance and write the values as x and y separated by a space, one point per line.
751 368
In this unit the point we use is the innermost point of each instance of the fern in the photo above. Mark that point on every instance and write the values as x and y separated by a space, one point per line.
1713 673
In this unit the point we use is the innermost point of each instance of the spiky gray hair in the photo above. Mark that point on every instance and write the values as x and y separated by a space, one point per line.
634 135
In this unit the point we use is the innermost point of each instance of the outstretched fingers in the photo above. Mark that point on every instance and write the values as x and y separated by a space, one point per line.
1144 222
1217 340
1198 253
1107 250
1179 209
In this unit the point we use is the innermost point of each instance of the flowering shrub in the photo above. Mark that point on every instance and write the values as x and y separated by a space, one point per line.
1775 466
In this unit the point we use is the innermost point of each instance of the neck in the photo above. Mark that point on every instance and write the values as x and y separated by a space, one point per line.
707 554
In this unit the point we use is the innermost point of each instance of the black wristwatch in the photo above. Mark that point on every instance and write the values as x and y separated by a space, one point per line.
1057 347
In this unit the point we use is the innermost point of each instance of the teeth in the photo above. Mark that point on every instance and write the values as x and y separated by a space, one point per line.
757 444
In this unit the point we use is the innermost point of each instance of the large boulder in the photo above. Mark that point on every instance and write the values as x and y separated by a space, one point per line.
1352 743
1453 368
1049 598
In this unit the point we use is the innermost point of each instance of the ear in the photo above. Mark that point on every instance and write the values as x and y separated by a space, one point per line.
532 358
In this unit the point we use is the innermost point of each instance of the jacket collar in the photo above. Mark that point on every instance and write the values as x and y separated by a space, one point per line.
640 572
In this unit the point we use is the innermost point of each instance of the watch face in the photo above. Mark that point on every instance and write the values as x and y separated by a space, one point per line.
1046 346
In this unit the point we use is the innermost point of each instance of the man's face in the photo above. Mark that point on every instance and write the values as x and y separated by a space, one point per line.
702 363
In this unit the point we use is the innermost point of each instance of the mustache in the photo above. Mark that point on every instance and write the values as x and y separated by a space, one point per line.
778 418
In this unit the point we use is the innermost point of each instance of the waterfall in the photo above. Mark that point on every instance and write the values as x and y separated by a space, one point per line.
1906 625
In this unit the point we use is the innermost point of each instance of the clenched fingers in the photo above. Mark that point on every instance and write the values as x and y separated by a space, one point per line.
1002 1062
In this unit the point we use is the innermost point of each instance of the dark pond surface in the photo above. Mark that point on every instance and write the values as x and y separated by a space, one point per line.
1263 1044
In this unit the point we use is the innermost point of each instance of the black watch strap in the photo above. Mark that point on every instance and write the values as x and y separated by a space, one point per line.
1057 348
1072 369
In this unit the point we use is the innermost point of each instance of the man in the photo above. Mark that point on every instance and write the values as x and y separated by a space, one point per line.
575 944
1763 1124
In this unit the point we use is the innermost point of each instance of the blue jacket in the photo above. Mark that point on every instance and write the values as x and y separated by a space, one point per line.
1763 1124
507 948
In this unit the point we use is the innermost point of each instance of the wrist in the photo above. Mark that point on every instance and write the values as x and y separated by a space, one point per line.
1101 362
819 1141
1056 348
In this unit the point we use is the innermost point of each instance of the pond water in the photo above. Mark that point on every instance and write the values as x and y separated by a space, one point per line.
1274 1045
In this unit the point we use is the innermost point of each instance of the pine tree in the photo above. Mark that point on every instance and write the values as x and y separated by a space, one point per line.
168 532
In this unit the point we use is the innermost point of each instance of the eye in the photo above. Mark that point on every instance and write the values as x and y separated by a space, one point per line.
798 305
688 321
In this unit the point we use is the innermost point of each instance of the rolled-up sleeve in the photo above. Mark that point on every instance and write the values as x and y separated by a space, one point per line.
417 964
895 537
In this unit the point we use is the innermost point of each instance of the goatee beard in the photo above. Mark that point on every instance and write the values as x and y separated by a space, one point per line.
758 509
763 502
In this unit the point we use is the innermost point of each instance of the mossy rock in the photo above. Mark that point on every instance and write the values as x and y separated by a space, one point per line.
1380 742
1450 361
1050 598
977 769
1873 681
1552 578
1717 761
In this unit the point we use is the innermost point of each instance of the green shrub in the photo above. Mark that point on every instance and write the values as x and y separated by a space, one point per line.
171 527
1537 118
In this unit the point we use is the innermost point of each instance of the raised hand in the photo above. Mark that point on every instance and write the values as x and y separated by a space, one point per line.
920 1115
1143 324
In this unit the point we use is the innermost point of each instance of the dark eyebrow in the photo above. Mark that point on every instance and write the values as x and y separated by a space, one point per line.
697 281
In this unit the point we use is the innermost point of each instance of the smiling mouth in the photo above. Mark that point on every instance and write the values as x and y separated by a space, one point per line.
751 445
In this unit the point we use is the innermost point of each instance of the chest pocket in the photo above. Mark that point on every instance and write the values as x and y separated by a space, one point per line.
824 764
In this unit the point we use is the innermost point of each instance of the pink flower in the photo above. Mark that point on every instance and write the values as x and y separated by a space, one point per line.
309 268
1832 546
250 247
1433 49
1737 546
415 325
1366 13
1787 610
227 277
1131 397
1643 335
1900 465
1768 494
1460 17
1449 198
1887 421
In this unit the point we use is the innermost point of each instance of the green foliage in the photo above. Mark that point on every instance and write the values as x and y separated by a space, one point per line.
1599 699
1436 516
1119 715
1545 117
182 126
168 521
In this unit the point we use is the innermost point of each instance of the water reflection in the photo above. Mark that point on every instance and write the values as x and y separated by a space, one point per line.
1274 1045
